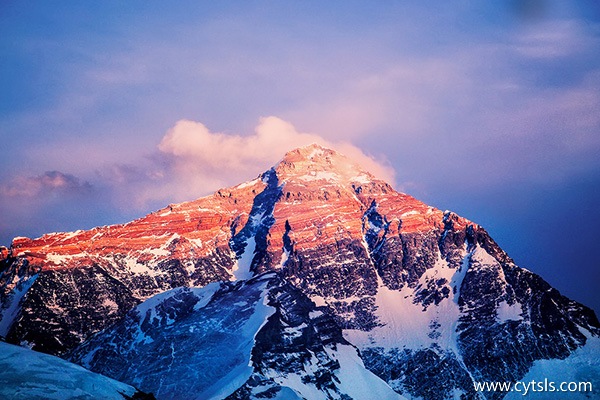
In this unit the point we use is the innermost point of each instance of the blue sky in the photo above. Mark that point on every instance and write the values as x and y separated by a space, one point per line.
110 110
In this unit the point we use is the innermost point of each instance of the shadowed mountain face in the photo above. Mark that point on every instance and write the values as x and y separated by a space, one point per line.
428 298
257 338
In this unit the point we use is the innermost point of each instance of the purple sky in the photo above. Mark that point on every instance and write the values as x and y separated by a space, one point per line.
110 110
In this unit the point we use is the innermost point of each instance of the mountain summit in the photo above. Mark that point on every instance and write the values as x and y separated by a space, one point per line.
316 163
320 259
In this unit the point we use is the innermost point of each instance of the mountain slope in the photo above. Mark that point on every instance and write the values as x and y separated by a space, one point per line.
429 299
236 340
28 375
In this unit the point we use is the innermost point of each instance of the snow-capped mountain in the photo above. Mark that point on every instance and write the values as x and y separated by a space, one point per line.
427 297
28 375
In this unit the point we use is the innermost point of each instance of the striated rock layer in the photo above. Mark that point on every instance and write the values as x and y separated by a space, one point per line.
427 296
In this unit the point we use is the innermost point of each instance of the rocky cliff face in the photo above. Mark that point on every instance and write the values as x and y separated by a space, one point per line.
428 298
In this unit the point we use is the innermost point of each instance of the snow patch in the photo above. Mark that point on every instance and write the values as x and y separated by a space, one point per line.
362 178
26 374
138 268
241 269
196 242
57 258
506 312
295 382
320 175
581 366
316 152
358 382
353 379
247 184
71 235
412 212
405 322
159 252
205 294
484 258
285 255
19 238
12 306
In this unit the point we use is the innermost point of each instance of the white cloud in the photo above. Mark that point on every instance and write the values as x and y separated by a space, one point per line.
202 160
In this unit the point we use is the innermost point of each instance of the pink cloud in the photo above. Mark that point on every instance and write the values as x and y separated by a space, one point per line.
36 186
204 159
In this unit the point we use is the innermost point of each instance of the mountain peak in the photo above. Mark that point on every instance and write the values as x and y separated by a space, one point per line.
309 152
317 163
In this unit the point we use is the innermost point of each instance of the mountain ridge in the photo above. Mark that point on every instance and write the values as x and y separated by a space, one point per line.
297 168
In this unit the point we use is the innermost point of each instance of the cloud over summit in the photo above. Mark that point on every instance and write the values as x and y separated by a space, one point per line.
199 155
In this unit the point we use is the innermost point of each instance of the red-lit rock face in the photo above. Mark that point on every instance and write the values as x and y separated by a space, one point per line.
323 199
200 226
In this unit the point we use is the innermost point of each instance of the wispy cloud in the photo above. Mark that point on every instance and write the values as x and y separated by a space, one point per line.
51 182
52 201
192 143
551 39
